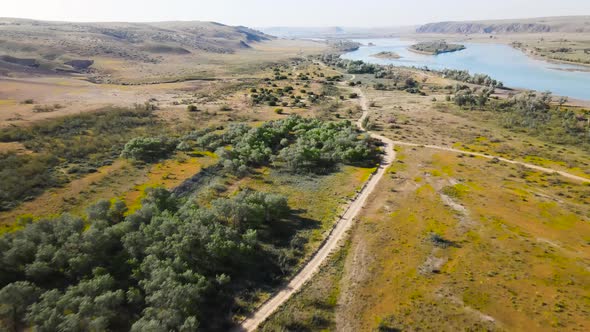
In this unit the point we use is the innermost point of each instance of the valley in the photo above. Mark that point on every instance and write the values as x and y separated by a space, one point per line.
197 176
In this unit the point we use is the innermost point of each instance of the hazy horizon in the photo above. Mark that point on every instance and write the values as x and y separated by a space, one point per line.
304 13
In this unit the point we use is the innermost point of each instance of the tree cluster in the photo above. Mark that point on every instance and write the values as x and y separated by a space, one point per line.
534 113
466 97
167 267
299 144
464 76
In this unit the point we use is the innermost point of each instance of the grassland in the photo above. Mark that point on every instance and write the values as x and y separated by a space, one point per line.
453 242
88 138
513 254
445 245
134 53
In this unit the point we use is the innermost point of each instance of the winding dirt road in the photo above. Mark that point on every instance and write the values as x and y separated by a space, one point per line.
347 219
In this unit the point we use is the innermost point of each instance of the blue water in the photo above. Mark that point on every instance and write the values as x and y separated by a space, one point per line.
501 62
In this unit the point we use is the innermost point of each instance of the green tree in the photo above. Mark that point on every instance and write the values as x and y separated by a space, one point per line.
15 298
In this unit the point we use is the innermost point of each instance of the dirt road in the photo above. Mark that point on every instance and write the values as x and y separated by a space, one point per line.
332 241
510 161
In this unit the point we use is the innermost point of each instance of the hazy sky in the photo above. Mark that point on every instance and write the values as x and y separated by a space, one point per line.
262 13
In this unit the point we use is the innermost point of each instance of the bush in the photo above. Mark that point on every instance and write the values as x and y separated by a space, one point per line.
379 86
279 110
148 149
46 108
353 95
192 108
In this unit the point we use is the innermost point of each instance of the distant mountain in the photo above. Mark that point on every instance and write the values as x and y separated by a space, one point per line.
334 32
570 24
302 32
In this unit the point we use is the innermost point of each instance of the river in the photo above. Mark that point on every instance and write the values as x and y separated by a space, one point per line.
502 62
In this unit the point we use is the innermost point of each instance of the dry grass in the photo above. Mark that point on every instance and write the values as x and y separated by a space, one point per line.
76 195
121 179
520 259
313 307
167 174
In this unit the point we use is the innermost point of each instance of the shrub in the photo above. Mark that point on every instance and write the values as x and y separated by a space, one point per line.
279 110
353 95
192 108
46 108
440 241
148 149
379 86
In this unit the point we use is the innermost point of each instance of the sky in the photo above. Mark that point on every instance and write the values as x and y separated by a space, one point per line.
300 13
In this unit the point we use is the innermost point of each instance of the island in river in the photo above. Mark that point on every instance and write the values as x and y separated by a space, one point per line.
435 47
386 55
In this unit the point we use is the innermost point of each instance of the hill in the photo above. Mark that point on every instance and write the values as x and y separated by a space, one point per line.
571 24
41 46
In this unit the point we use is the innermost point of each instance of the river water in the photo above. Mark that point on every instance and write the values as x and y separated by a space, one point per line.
501 62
